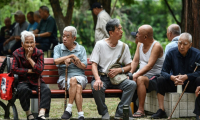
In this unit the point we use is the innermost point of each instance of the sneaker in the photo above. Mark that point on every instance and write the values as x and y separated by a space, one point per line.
106 116
159 114
118 117
66 115
81 118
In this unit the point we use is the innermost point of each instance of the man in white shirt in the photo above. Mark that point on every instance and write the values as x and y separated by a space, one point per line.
105 53
102 18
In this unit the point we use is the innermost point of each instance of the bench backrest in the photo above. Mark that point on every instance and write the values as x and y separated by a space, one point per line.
50 72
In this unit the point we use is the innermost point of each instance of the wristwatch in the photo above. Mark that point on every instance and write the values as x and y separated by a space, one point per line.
122 70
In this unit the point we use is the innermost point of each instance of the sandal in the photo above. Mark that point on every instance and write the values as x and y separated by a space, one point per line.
139 115
30 115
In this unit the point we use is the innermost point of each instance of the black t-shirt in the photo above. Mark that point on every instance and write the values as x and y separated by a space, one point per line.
48 25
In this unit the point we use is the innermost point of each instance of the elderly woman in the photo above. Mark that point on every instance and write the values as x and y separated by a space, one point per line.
28 63
65 53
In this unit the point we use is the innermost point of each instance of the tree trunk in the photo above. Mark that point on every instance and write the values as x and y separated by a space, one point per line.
62 21
106 5
192 20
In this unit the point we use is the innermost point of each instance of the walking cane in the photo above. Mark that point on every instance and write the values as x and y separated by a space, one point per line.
197 64
65 88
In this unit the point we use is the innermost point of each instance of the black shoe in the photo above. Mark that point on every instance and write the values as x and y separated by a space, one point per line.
30 115
40 118
66 115
159 114
81 118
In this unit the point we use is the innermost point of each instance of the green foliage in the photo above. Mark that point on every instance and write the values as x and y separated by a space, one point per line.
132 14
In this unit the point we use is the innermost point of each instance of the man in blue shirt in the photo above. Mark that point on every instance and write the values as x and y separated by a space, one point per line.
32 24
181 61
173 32
64 54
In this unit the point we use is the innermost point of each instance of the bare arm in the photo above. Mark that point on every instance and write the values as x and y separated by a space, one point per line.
46 34
98 83
62 59
136 58
35 31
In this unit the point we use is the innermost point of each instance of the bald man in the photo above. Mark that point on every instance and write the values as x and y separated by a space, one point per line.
149 56
14 42
173 32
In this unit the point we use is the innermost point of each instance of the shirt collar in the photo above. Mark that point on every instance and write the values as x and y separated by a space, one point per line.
175 38
77 48
187 54
100 13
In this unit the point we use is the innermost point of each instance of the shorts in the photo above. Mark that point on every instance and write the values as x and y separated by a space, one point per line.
152 83
82 80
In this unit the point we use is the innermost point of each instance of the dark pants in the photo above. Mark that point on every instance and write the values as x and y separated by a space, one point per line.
25 91
127 86
44 43
166 85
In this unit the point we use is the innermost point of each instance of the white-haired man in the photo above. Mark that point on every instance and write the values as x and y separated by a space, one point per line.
28 63
180 61
64 54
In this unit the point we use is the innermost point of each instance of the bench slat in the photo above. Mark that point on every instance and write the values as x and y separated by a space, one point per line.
86 91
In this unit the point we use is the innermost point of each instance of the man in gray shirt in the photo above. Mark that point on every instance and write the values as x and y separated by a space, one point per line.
101 81
102 18
14 41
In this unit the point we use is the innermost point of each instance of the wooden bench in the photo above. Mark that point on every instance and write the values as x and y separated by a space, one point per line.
50 76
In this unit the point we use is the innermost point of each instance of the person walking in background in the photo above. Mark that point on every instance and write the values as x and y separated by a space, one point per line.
102 18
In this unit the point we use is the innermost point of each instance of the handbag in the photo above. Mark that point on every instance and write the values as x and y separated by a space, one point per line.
119 77
6 81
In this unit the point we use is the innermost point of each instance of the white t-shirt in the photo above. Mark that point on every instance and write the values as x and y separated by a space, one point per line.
104 55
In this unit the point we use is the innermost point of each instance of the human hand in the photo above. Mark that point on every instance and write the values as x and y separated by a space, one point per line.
113 72
197 92
30 52
76 60
6 42
135 76
98 84
67 62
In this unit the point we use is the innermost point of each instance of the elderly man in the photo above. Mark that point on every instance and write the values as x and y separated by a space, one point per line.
46 32
181 61
173 32
14 41
64 54
28 63
100 62
150 57
102 18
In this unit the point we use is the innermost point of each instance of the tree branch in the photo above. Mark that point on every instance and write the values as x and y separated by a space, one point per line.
172 13
68 16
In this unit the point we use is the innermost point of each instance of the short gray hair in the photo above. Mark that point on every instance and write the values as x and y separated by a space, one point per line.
175 29
187 36
111 24
25 34
45 8
37 13
71 29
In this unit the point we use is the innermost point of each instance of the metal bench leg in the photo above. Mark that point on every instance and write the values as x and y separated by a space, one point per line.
15 113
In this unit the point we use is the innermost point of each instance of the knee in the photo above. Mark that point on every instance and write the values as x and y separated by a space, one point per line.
23 89
79 89
132 84
161 80
47 90
73 81
140 80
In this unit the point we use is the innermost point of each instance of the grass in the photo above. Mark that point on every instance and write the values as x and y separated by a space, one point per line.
89 108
